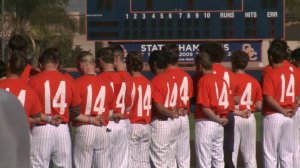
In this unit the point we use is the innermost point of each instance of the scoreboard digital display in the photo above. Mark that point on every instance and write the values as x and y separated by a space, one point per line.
184 20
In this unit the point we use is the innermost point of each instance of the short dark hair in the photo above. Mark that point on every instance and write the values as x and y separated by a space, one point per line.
18 43
214 50
17 62
296 54
280 44
3 69
239 60
84 54
278 54
172 53
106 55
203 59
135 61
50 55
118 51
160 58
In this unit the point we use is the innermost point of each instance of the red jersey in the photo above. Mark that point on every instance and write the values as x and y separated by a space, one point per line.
130 89
185 86
118 88
165 91
227 75
26 95
249 91
285 63
142 102
213 93
96 95
56 92
283 85
26 73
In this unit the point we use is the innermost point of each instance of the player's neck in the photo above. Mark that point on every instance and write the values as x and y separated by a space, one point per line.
160 71
136 73
239 71
172 66
276 65
121 67
205 71
12 76
108 68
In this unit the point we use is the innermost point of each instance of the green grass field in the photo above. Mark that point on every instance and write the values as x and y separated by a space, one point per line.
258 117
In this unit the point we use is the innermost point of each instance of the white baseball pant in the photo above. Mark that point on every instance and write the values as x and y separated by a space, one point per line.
119 143
182 144
279 137
209 137
297 145
139 147
163 136
51 143
91 147
245 140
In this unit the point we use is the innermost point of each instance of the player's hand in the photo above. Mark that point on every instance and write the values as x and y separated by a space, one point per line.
223 121
95 120
182 112
288 112
245 113
116 117
174 113
55 120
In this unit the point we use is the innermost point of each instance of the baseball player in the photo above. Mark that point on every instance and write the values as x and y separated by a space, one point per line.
58 96
217 54
212 108
119 132
164 111
185 88
248 95
280 89
140 116
26 95
91 143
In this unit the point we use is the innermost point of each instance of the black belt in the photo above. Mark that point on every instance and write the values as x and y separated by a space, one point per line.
37 125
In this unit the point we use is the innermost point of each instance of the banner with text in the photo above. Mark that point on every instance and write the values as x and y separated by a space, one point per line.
187 51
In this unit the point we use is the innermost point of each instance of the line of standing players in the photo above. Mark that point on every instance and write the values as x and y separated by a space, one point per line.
122 119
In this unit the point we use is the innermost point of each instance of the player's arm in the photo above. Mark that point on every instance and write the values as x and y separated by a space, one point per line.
41 117
276 106
212 116
97 120
162 110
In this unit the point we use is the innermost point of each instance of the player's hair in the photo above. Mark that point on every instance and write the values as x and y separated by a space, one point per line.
160 58
203 59
118 51
85 57
214 50
18 43
280 44
135 61
278 54
239 60
296 54
17 62
106 55
50 55
172 53
3 69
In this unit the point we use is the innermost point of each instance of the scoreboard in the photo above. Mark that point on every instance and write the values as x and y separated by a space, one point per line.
184 20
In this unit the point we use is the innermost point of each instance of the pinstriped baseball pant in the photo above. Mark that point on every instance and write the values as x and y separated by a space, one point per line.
297 145
209 137
279 135
50 142
91 147
139 147
245 140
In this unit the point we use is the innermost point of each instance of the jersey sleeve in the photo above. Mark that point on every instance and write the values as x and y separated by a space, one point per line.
129 94
258 95
191 87
76 100
203 97
268 85
36 104
157 92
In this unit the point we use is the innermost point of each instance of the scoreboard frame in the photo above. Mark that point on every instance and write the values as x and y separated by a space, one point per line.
189 40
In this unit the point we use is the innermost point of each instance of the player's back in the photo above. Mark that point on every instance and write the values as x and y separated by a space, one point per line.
249 91
96 95
185 86
281 83
56 92
165 91
141 106
130 88
213 92
224 73
26 95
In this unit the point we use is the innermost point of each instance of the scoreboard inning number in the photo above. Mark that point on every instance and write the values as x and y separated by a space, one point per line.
184 20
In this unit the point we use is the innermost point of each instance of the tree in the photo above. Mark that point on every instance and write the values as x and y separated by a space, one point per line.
292 7
44 22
